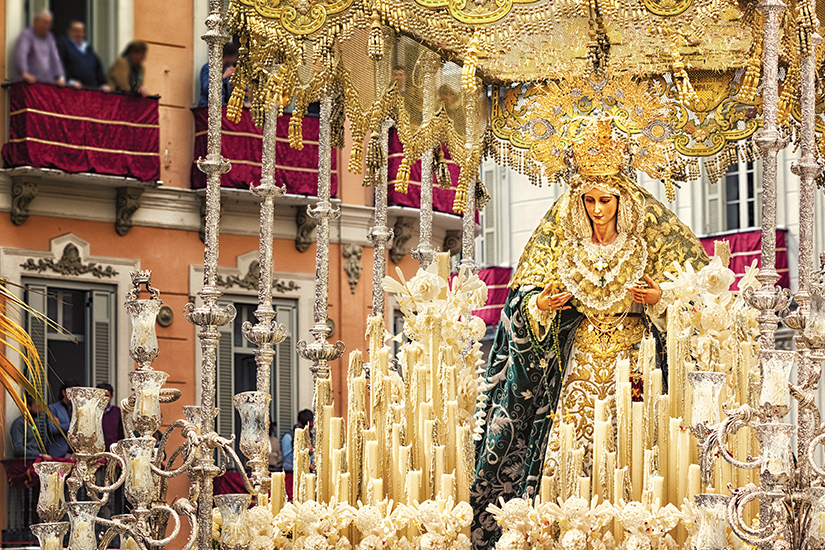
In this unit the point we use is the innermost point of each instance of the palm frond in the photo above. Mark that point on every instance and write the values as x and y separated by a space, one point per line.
13 337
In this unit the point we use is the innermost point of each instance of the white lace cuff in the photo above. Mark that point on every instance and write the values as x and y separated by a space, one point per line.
657 312
539 320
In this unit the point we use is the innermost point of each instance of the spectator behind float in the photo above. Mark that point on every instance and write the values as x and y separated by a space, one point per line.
230 57
61 409
80 62
126 73
36 58
23 441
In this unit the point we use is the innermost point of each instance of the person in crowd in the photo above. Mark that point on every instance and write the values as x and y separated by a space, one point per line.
80 62
57 446
112 419
276 457
126 73
112 433
230 57
305 419
36 58
23 441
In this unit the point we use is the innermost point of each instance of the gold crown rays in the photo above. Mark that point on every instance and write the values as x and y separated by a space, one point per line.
595 126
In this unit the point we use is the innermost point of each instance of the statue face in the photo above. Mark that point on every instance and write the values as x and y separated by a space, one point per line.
601 207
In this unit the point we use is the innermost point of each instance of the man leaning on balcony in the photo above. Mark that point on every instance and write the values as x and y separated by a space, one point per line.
36 56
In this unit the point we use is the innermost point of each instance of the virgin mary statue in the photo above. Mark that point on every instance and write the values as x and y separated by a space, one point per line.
585 292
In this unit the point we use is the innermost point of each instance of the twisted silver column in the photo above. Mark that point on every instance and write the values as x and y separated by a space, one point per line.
769 299
380 234
210 316
425 252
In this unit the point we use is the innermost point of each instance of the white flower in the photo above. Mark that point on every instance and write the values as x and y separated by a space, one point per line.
574 540
749 279
426 286
477 328
683 281
715 278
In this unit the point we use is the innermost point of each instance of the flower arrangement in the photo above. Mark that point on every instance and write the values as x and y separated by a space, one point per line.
713 315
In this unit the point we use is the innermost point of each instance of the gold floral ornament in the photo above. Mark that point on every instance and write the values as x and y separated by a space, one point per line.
600 126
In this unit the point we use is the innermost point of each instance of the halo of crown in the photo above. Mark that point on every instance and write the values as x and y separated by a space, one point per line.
602 124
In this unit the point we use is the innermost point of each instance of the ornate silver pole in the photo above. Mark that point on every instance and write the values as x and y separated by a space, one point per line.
267 333
468 233
380 234
425 253
769 299
321 352
210 316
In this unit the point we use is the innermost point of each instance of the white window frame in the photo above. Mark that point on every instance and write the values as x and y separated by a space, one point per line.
715 217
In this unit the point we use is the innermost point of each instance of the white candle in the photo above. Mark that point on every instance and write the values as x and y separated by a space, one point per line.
53 490
141 472
86 420
278 492
309 486
377 491
372 460
52 543
584 487
637 450
413 486
447 486
599 448
694 481
658 483
343 488
146 403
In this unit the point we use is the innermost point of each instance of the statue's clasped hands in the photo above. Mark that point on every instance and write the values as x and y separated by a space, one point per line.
651 294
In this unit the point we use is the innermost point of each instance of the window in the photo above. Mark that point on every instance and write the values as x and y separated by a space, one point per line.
735 203
88 316
236 369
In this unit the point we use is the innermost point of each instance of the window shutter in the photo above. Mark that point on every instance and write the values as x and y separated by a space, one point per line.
285 373
101 346
224 387
489 222
713 207
36 299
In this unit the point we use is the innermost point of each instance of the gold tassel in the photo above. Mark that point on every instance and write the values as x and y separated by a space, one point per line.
296 138
375 47
442 173
375 161
750 80
686 92
468 72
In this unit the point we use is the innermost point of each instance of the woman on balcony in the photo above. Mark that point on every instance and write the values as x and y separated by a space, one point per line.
126 73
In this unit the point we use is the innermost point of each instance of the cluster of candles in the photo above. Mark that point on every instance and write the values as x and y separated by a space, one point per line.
402 438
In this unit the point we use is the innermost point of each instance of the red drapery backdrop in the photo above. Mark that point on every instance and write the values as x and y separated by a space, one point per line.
242 145
746 246
442 198
83 131
497 280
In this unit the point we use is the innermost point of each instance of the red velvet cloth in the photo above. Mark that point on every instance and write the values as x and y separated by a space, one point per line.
745 246
21 472
442 198
242 145
83 131
497 280
229 483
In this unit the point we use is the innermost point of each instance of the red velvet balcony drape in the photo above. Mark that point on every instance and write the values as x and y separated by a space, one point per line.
83 131
242 145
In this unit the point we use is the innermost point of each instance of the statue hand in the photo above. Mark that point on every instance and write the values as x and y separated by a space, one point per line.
555 302
650 295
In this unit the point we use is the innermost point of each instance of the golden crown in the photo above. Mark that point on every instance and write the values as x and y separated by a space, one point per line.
597 153
596 125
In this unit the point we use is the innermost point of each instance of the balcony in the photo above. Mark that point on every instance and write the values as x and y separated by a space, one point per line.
83 132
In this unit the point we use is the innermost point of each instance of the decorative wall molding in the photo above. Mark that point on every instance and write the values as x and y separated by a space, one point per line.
70 263
352 267
249 281
306 225
22 194
403 232
127 203
452 242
